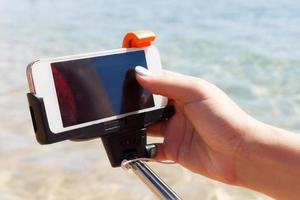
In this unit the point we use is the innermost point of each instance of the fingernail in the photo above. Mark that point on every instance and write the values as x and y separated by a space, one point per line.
142 71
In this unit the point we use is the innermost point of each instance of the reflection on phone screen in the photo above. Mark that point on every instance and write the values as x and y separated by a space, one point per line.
99 87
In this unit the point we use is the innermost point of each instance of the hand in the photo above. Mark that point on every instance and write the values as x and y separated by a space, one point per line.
212 136
207 132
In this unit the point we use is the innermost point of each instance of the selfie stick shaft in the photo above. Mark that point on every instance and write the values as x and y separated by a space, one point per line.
158 186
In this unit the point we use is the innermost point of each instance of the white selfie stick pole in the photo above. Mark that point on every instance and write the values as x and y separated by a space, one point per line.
152 180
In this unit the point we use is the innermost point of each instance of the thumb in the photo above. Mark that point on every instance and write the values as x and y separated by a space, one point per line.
172 85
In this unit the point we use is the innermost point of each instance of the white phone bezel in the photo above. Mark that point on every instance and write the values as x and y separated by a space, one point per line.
43 86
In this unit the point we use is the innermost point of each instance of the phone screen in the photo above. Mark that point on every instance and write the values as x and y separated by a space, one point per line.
95 88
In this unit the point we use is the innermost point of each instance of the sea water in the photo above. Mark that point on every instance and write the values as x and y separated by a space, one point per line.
251 49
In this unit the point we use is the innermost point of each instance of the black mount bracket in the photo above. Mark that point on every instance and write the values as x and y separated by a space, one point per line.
125 145
122 138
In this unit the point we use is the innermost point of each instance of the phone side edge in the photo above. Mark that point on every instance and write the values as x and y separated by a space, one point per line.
155 67
29 76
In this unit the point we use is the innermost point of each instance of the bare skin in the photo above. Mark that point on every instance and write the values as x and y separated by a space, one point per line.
212 136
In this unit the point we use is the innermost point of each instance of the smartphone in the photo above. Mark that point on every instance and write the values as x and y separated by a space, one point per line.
83 90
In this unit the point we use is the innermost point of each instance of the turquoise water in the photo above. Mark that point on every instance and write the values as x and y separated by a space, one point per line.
249 49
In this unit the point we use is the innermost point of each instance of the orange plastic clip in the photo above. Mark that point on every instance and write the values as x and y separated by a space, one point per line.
138 39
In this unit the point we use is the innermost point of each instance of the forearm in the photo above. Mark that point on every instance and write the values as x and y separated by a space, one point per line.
269 162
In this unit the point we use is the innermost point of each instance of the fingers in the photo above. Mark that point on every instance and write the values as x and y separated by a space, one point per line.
157 130
158 151
160 154
173 85
160 129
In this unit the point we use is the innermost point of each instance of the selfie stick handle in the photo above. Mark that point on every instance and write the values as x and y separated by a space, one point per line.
153 181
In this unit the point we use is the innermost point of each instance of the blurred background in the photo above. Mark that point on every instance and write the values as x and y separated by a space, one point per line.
251 49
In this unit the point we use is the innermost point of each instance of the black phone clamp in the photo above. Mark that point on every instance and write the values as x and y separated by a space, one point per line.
123 139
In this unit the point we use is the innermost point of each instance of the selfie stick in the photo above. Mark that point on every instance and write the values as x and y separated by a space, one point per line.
139 39
152 180
124 138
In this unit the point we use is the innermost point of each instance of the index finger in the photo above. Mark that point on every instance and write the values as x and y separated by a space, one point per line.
173 85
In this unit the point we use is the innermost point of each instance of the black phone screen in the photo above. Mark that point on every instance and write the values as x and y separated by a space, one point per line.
94 88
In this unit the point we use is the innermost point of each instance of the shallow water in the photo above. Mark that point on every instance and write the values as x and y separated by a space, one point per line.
249 49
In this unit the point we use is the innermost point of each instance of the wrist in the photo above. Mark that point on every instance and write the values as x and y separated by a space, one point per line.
269 161
255 135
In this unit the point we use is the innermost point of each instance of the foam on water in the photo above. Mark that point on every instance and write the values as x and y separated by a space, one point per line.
250 49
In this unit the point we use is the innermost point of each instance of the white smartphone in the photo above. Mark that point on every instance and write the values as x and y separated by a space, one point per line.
87 89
